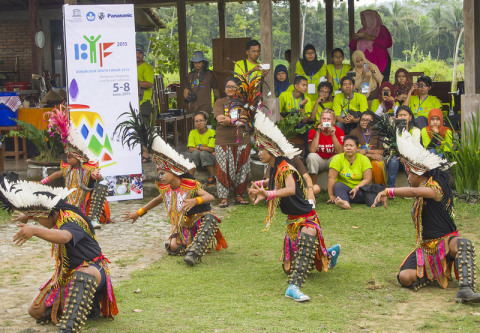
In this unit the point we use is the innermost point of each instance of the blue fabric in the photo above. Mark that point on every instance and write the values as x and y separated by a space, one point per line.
280 86
393 166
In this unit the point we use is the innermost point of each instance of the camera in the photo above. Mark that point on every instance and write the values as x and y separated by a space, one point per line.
191 97
401 124
326 124
264 66
386 93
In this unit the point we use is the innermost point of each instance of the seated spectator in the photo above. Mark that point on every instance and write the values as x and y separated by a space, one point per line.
393 162
324 101
281 79
348 104
201 146
422 103
323 144
337 70
371 146
312 69
201 82
367 75
402 85
250 65
373 39
436 137
295 101
348 172
385 103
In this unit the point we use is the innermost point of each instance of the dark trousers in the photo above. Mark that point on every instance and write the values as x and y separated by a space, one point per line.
343 192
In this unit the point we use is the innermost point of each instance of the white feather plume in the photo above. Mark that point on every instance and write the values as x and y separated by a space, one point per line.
164 148
268 129
76 140
25 195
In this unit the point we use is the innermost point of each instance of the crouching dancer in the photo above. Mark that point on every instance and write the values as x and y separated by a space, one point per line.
304 248
439 247
80 287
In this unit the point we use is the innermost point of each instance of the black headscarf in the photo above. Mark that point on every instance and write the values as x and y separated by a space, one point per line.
310 67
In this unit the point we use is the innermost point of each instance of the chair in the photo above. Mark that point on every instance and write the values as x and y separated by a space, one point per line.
16 151
413 76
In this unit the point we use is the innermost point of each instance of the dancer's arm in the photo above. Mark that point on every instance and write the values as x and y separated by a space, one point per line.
50 235
202 197
261 193
406 192
52 177
134 215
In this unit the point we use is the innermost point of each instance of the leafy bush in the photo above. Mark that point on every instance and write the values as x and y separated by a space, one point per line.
289 126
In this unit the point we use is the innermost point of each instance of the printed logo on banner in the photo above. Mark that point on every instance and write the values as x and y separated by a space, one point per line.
90 16
101 15
76 13
89 51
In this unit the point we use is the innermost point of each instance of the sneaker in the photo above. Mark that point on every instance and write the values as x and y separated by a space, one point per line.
295 293
334 251
212 181
96 225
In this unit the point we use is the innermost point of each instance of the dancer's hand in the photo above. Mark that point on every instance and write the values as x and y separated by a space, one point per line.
381 196
22 218
259 193
130 216
189 204
24 234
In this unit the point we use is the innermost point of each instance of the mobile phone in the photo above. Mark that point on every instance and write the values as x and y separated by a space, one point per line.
385 93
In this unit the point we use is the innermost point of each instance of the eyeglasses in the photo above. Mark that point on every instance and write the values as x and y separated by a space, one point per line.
200 121
231 87
324 92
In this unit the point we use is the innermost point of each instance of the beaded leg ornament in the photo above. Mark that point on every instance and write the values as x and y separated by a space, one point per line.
466 270
203 238
307 247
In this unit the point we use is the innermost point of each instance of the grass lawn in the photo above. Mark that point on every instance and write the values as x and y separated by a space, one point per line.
241 289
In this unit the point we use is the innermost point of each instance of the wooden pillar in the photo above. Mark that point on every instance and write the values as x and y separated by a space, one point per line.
182 46
351 21
294 34
329 29
471 99
222 25
33 17
266 39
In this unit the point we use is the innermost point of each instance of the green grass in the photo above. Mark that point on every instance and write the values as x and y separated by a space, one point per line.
241 289
5 217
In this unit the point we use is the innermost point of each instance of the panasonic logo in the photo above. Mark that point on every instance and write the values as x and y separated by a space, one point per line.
119 15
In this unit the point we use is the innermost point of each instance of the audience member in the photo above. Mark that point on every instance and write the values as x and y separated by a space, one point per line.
436 137
145 84
385 103
347 104
374 39
337 70
281 79
422 103
393 162
250 65
371 146
296 102
367 75
324 101
323 144
201 82
402 85
201 146
232 147
313 69
348 172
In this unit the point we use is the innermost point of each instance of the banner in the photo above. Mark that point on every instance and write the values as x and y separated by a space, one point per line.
102 84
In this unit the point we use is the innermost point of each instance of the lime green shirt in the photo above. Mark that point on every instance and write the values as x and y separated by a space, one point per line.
239 67
327 105
206 139
337 75
314 79
376 103
145 73
445 144
423 108
289 104
350 175
357 103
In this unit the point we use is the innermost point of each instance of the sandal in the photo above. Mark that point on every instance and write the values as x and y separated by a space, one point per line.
241 201
223 203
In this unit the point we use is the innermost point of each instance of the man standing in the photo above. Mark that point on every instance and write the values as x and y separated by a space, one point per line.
145 84
251 65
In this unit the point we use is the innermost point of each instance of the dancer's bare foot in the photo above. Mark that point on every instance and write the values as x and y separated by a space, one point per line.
342 203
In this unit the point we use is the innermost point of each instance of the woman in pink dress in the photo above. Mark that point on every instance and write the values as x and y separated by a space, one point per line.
373 39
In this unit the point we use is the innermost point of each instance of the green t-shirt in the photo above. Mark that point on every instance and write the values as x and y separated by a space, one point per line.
376 103
350 175
289 104
315 79
239 67
423 108
337 75
326 105
357 103
206 139
445 144
145 73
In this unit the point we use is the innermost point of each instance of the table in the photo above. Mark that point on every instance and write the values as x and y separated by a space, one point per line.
34 116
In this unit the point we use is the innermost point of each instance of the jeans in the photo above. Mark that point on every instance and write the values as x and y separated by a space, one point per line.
393 166
342 191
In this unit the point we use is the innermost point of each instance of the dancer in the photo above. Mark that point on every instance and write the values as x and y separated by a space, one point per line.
439 245
304 247
80 287
194 227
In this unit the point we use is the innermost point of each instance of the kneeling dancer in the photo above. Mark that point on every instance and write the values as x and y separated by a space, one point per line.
194 227
304 248
80 287
439 246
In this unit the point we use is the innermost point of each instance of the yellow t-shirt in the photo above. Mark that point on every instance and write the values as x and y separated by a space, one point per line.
376 103
206 139
357 103
315 79
239 67
445 144
145 73
350 174
289 104
423 108
337 75
327 105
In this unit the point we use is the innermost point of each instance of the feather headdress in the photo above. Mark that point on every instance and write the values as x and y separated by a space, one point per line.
268 136
31 198
167 158
59 122
416 158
